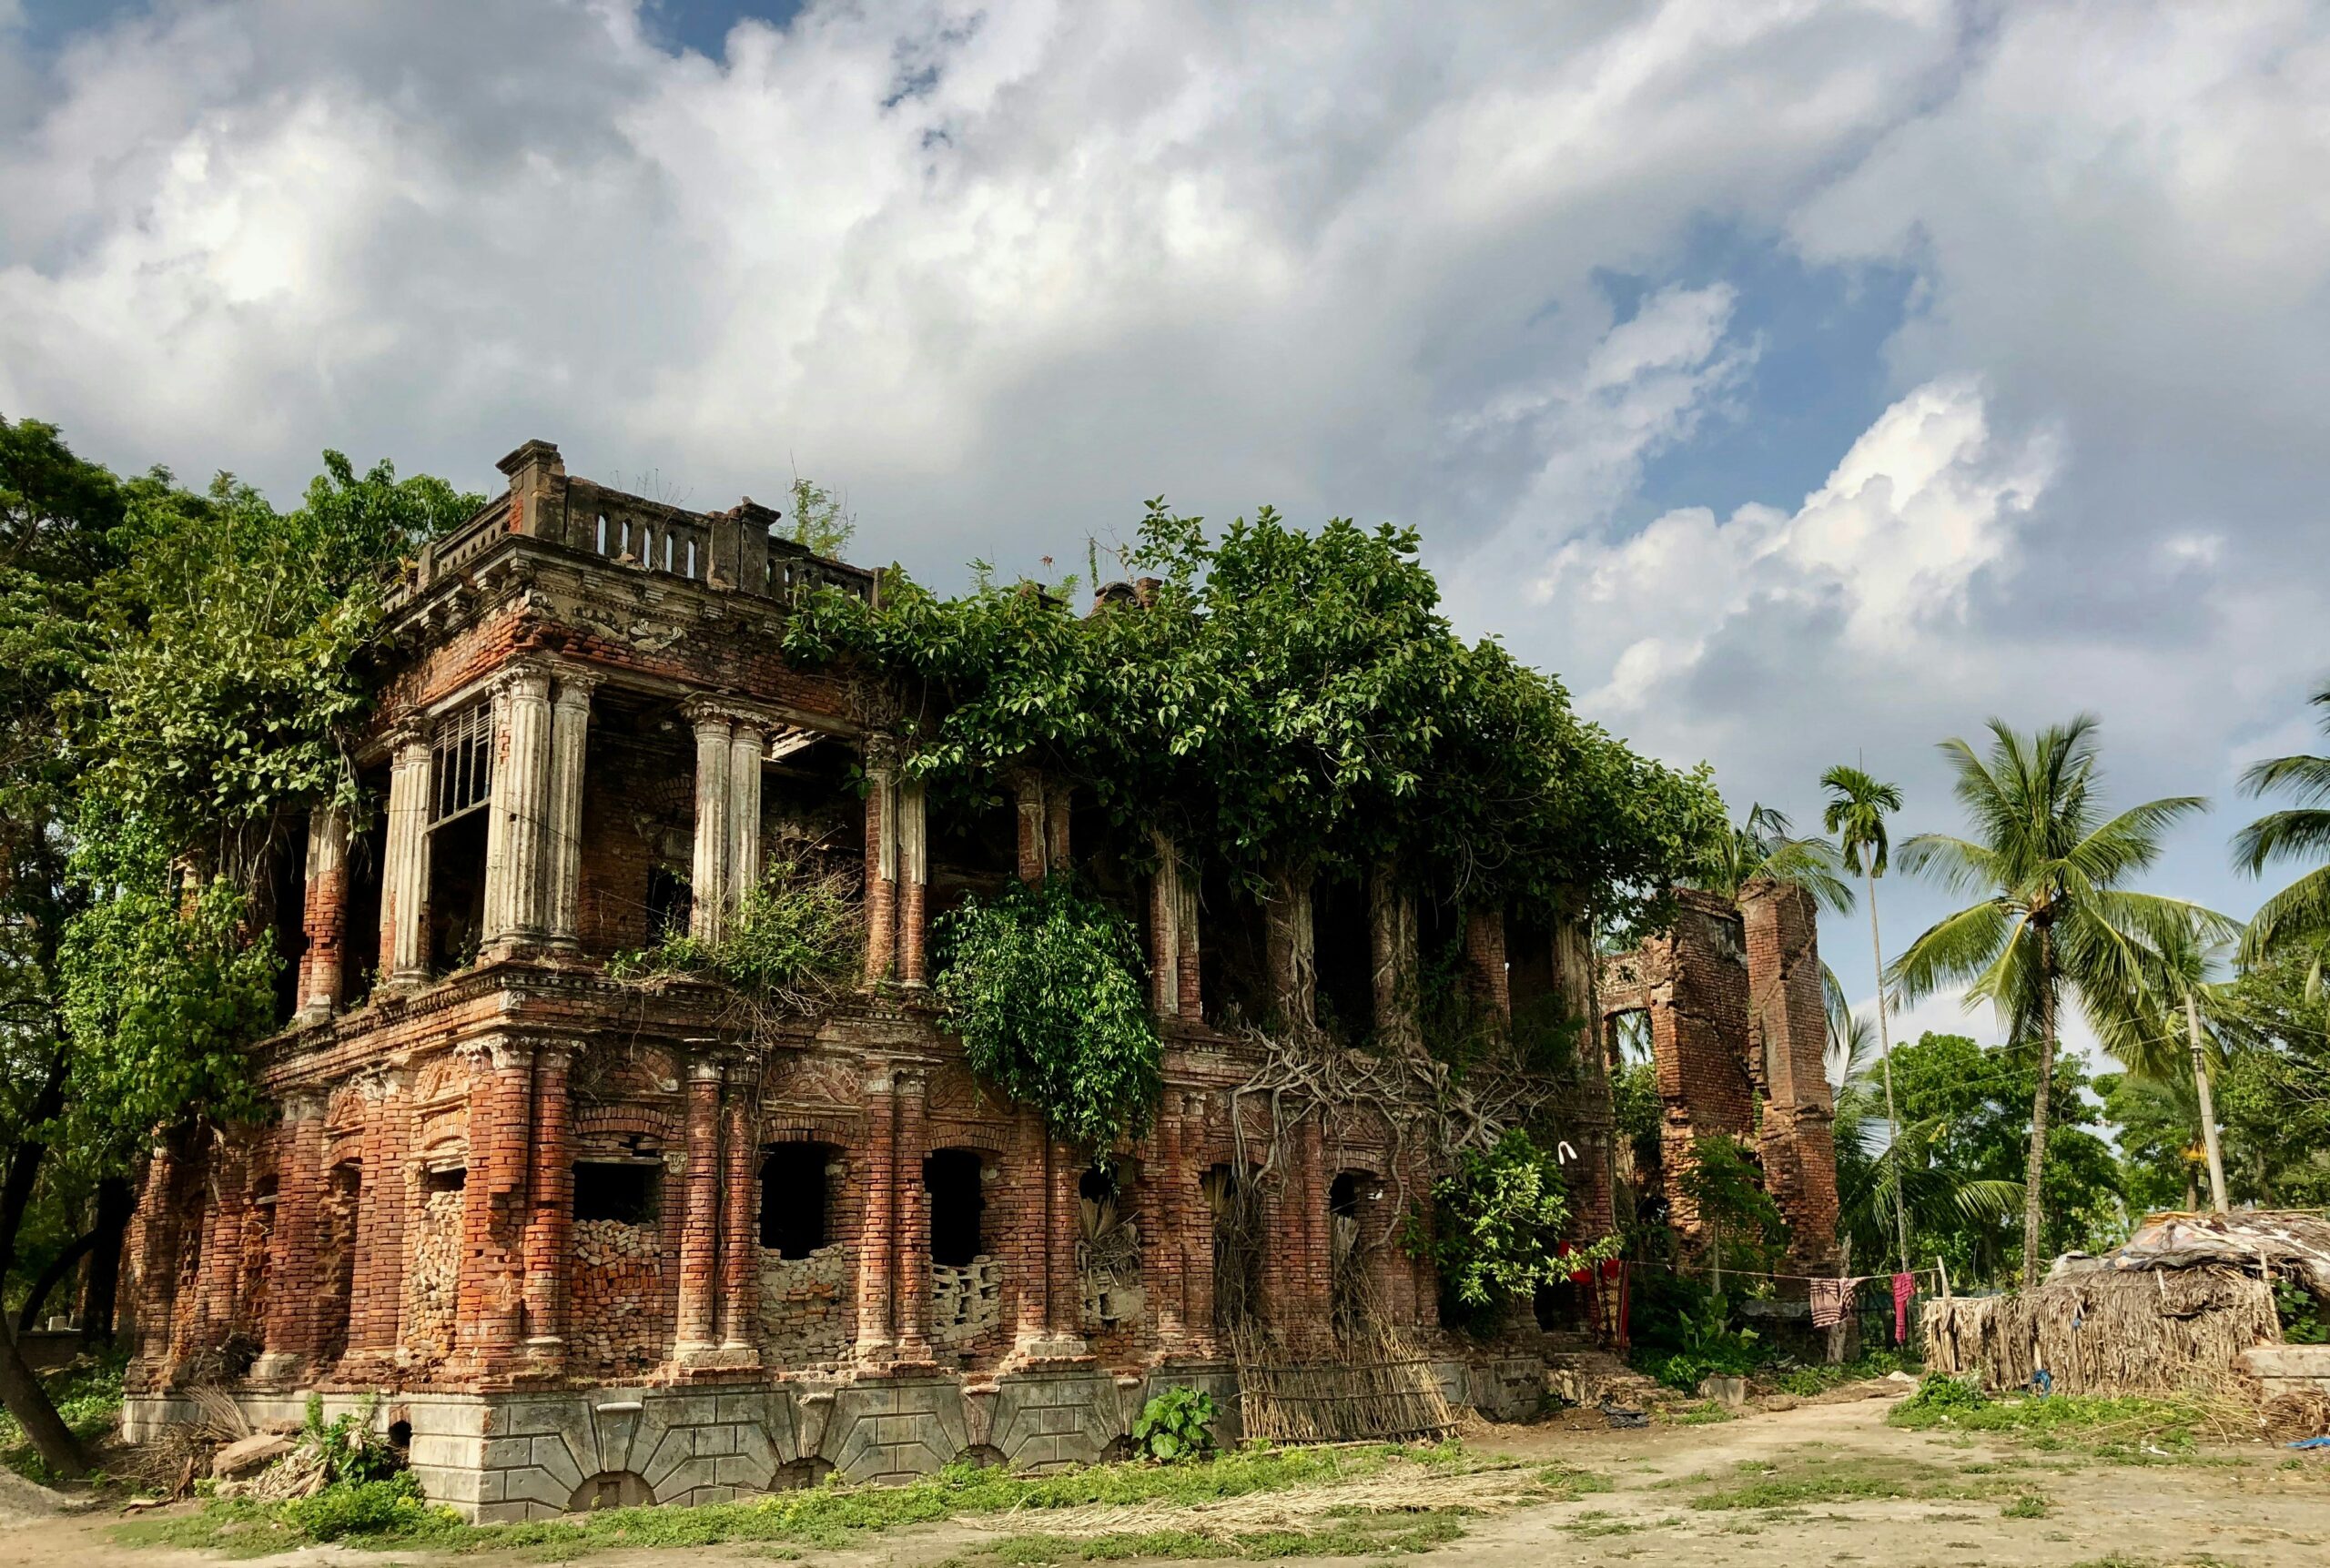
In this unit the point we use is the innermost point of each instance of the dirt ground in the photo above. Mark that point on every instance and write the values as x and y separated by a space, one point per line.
1674 1496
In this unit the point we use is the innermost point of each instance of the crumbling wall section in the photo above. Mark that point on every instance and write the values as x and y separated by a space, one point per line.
1789 1038
804 1304
619 1326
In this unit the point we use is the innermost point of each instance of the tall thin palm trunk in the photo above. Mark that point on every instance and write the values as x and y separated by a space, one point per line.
1884 1051
2039 1109
2208 1104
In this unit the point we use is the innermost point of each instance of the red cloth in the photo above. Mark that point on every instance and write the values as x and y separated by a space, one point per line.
1904 1286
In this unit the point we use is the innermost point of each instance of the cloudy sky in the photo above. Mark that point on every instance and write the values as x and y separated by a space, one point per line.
1802 382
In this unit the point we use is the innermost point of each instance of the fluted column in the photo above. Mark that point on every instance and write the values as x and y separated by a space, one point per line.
1164 930
1187 955
325 916
739 1246
914 877
700 1229
517 836
550 1225
881 862
404 871
708 920
570 733
745 742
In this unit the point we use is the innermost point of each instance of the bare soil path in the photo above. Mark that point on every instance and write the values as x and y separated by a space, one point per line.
1820 1484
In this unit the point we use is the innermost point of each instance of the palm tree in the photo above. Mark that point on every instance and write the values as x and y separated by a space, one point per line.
1911 1176
2300 912
2151 1030
2045 866
1858 805
1766 847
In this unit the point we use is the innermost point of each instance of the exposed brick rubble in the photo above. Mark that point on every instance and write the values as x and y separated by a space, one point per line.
592 1245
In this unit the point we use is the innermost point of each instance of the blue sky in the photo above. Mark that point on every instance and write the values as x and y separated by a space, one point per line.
1801 383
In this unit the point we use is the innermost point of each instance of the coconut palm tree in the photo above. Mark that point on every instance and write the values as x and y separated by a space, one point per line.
2299 915
2170 1025
1859 804
1766 847
2045 867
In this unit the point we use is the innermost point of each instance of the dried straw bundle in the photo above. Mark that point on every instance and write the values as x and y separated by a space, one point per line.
2156 1332
1379 1387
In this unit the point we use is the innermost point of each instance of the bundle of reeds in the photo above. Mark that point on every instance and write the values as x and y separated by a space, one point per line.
2155 1331
1376 1385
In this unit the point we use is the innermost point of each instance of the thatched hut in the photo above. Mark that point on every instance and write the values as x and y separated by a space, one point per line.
2179 1309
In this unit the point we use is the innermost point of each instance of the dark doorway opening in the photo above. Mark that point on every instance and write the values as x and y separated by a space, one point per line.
796 1197
951 1176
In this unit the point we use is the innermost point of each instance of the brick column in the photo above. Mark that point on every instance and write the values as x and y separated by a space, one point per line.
1056 847
1392 952
740 1278
1316 1306
1031 1241
881 862
489 1300
549 1225
700 1228
1028 785
1063 1285
325 916
516 830
404 862
1194 1227
910 1267
569 733
1484 963
746 741
878 1235
294 1287
707 919
1787 1020
376 1298
1164 936
1187 955
154 1231
219 1265
1166 1252
914 874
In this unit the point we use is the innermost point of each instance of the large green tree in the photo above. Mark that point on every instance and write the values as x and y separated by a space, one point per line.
2052 917
183 676
1858 803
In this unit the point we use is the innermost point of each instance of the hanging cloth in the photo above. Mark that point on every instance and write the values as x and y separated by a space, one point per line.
1905 1286
1828 1299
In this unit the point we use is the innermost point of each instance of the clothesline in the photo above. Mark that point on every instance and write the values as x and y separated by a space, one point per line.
1764 1274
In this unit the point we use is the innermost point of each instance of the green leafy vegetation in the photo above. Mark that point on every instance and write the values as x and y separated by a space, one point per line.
1361 1533
1795 1481
1044 987
1175 1426
1806 1382
2120 1427
86 1395
792 941
1501 1213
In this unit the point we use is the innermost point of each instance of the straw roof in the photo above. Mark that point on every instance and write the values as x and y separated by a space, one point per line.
2288 1242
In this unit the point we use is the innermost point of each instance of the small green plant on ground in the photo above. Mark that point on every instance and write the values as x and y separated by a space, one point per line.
2304 1321
1175 1426
1706 1412
1710 1346
1567 1484
2030 1505
1806 1382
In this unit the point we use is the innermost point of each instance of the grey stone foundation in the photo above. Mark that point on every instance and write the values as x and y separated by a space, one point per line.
496 1458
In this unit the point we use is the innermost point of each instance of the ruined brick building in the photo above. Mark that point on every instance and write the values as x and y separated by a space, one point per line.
593 1248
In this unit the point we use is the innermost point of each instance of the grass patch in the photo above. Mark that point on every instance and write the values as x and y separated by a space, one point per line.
87 1395
1798 1483
2129 1428
1567 1484
825 1517
1706 1412
1360 1534
2030 1505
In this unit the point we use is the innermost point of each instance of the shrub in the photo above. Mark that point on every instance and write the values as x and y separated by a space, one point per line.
1501 1214
392 1506
792 942
1044 987
1175 1426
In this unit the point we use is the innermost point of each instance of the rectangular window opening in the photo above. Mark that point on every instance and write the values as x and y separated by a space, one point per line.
623 1192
